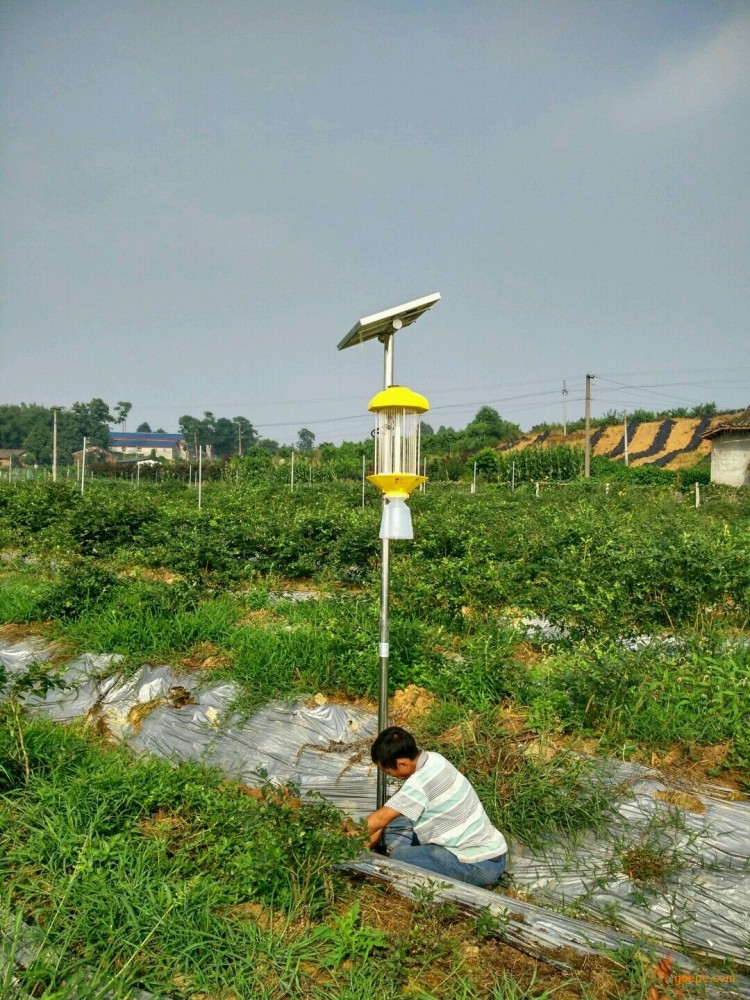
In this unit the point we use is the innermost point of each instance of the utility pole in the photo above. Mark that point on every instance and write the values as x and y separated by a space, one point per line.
565 409
625 427
54 444
587 448
239 431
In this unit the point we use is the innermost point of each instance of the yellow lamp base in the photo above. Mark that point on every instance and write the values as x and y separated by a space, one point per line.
396 484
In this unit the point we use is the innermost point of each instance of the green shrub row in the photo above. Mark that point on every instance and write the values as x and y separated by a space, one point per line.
597 561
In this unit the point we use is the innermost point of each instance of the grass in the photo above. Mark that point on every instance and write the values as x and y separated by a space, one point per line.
132 873
532 799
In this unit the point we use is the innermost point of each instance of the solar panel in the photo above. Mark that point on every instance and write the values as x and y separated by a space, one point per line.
382 322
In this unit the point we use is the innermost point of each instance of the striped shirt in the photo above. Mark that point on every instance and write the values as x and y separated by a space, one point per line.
444 809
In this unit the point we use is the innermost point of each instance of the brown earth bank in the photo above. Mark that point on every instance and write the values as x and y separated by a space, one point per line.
640 440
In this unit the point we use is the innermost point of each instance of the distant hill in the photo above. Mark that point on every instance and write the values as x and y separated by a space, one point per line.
668 444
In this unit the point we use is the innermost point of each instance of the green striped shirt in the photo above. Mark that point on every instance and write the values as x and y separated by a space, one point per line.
444 809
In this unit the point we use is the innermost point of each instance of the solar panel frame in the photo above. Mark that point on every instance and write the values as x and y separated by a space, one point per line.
381 323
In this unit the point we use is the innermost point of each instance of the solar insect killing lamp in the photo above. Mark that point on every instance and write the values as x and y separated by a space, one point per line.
397 411
397 420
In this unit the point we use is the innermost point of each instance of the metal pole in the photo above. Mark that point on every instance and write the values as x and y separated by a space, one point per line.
474 480
363 482
54 444
625 426
565 409
83 466
587 444
385 572
137 473
697 495
200 476
291 484
10 468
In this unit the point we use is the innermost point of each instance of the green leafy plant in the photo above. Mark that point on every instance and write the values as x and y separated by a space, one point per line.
491 922
347 939
34 681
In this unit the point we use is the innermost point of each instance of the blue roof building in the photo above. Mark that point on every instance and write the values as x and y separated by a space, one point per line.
141 444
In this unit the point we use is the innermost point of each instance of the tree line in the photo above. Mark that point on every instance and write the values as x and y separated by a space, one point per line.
637 416
29 427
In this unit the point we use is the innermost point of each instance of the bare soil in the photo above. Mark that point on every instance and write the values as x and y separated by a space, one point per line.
205 656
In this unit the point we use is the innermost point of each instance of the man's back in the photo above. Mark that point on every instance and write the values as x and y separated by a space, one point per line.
444 809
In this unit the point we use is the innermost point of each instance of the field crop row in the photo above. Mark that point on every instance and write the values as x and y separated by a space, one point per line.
623 562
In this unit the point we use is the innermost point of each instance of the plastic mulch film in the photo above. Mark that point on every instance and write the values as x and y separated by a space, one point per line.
674 865
532 929
322 749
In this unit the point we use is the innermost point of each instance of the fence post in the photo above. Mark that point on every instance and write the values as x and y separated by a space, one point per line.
83 466
474 480
697 495
536 489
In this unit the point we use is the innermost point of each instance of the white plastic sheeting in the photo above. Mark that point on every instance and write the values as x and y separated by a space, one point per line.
704 904
532 929
163 712
698 845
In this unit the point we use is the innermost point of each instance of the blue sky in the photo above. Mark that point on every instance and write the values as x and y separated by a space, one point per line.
199 200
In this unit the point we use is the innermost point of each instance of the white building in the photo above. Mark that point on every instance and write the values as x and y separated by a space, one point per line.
730 450
141 445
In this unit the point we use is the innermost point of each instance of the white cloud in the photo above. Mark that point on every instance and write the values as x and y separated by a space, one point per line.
688 85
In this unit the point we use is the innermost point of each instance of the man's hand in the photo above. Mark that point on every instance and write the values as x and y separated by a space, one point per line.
377 822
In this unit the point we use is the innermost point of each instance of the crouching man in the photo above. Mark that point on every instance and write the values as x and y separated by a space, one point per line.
435 820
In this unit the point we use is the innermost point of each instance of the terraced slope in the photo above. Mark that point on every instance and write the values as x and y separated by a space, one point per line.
669 444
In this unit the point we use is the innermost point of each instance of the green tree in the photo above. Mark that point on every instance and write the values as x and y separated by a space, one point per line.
487 460
305 440
122 409
247 436
38 440
144 428
92 421
193 431
488 428
704 410
225 438
267 444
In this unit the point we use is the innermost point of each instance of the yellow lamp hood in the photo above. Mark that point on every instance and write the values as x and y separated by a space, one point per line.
398 397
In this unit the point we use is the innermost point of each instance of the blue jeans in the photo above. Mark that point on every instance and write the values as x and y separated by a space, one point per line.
402 844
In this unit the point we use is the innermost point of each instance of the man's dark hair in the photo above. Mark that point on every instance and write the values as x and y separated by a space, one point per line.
393 742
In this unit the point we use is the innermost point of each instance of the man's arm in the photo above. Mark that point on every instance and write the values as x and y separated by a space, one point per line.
377 822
